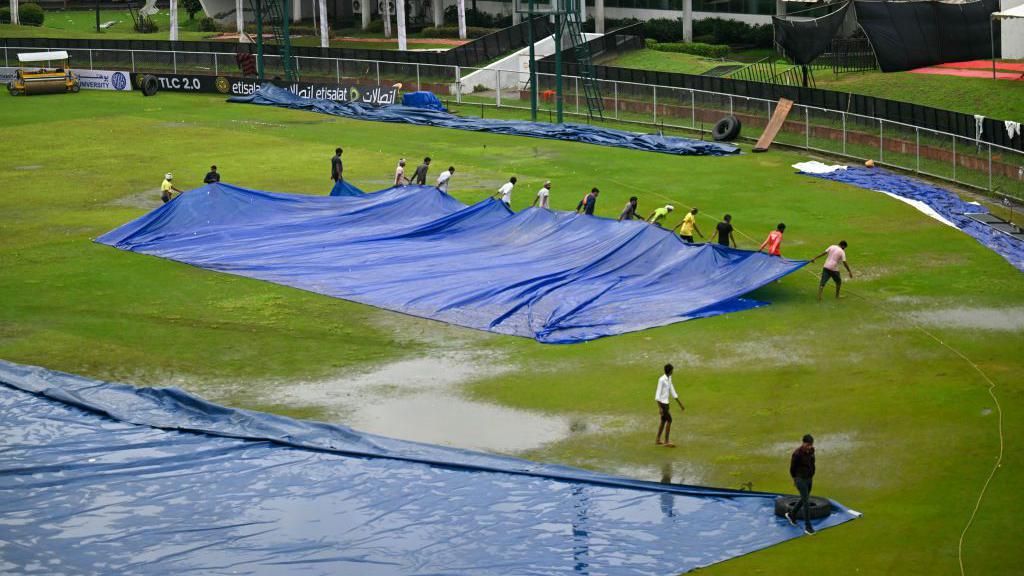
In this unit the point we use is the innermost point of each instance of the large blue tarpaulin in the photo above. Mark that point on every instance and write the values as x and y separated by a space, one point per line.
942 201
553 276
100 478
271 95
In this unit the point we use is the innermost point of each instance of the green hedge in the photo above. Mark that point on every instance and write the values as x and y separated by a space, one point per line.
207 24
711 31
5 15
696 48
453 32
31 15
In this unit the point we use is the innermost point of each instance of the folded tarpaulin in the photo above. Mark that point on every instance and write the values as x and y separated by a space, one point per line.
944 203
271 95
345 188
422 99
101 478
553 276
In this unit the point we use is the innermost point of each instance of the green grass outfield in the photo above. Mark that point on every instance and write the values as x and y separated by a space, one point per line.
907 433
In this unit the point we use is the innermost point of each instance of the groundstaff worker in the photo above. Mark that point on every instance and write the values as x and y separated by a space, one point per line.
665 392
834 255
543 195
689 226
444 178
212 177
801 468
420 175
167 189
505 192
336 166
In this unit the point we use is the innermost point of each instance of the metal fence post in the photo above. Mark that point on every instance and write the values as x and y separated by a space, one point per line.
954 158
5 56
730 105
215 68
655 91
917 133
693 109
807 127
378 72
337 71
576 83
458 85
298 68
418 87
498 84
616 88
844 132
90 59
174 61
989 166
133 60
881 140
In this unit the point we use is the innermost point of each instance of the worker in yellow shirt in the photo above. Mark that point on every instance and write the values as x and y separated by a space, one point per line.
167 189
689 226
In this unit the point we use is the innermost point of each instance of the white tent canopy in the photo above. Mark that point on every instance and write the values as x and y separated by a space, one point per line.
42 56
1016 12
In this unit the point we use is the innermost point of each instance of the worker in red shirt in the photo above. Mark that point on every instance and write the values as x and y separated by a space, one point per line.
774 241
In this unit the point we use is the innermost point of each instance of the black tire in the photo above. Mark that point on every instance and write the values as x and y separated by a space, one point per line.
150 85
727 129
820 507
75 87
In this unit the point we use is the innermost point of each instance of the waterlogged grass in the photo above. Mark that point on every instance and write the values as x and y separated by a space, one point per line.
906 431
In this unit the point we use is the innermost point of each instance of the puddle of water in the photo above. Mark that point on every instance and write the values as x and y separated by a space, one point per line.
666 473
419 400
831 444
29 167
999 319
147 199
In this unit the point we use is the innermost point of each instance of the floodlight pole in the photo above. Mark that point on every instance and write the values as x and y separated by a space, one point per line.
558 65
533 62
259 39
992 43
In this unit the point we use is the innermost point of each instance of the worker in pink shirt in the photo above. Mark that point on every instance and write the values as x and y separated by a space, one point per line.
834 255
774 241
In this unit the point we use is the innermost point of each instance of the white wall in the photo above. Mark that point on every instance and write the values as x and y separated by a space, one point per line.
1013 32
515 69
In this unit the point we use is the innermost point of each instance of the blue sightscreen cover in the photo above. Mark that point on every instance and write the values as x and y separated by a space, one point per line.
271 95
946 203
100 478
422 99
553 276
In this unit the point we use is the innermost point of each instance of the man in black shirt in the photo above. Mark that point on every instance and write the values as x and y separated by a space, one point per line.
420 175
588 203
629 212
336 166
801 469
724 232
212 177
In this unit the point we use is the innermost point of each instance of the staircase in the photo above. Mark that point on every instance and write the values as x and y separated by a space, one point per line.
274 14
585 65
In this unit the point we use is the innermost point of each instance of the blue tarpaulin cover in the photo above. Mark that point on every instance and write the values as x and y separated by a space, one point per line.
553 276
944 202
100 478
271 95
345 188
422 99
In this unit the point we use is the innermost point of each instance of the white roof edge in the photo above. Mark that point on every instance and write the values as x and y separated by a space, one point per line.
42 56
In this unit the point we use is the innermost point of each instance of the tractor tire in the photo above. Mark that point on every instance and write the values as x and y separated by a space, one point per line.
150 85
727 129
75 88
820 507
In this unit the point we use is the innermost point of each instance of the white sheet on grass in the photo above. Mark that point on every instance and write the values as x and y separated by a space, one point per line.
815 167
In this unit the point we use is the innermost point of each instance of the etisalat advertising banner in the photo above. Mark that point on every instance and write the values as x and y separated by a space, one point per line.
373 95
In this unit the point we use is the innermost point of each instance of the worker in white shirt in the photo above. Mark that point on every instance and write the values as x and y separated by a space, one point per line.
505 192
443 178
400 179
542 195
665 392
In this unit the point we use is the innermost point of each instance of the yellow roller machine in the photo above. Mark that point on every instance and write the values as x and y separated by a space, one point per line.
37 76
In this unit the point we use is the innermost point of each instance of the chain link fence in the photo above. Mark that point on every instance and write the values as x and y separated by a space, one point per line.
969 162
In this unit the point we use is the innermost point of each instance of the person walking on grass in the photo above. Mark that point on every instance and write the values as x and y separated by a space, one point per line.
665 392
774 241
336 166
660 214
400 174
801 468
834 255
629 211
724 232
444 178
588 203
543 195
167 189
420 175
505 192
689 226
212 177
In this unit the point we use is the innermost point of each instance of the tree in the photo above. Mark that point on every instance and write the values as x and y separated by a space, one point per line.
193 7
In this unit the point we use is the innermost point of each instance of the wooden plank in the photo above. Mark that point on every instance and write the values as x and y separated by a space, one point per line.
774 125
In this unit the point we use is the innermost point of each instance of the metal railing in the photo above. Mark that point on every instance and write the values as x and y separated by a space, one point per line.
942 155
